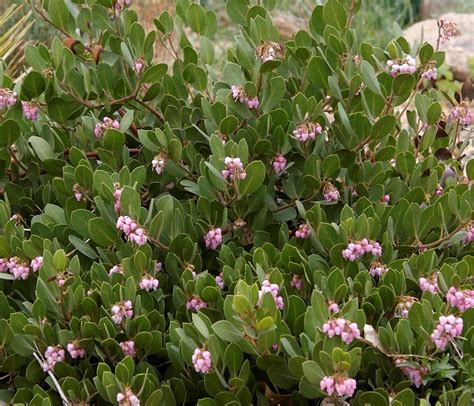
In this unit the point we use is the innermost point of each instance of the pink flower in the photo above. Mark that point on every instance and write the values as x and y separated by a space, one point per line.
128 348
338 384
331 194
127 398
195 303
18 269
386 199
53 355
4 264
429 284
415 374
406 65
447 30
158 267
333 307
213 239
431 73
253 103
122 310
202 360
148 283
307 131
296 282
404 305
30 110
117 195
377 269
234 169
278 163
132 231
138 66
7 98
121 4
75 351
238 93
469 237
462 299
341 327
36 264
77 192
274 290
220 281
448 328
158 163
116 269
462 114
303 232
357 249
106 124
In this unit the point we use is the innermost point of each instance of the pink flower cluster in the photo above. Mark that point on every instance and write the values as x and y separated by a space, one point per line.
429 284
278 163
331 194
128 348
238 93
447 30
462 299
333 307
30 110
121 4
105 125
407 65
267 51
75 351
202 360
149 282
341 327
439 190
461 113
469 237
358 249
51 356
377 269
117 195
337 384
220 281
36 263
213 238
448 328
133 232
386 199
116 269
234 169
307 131
404 305
296 282
274 290
430 73
158 163
18 269
7 98
121 310
414 374
303 232
195 303
127 398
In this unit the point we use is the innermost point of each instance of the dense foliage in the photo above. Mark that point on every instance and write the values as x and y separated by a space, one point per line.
290 225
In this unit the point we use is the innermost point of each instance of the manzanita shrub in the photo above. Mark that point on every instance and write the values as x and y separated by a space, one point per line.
286 223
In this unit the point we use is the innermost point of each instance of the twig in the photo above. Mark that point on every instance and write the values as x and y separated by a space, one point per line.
55 382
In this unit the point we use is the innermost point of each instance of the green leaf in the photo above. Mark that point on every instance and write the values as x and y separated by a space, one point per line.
335 14
102 232
113 139
58 12
383 127
254 179
434 112
10 131
370 78
197 18
42 149
33 85
226 331
206 50
233 358
403 84
319 72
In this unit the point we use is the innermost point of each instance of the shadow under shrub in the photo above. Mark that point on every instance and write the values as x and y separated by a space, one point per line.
293 227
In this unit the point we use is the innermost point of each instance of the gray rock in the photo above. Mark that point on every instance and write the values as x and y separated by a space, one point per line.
458 50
